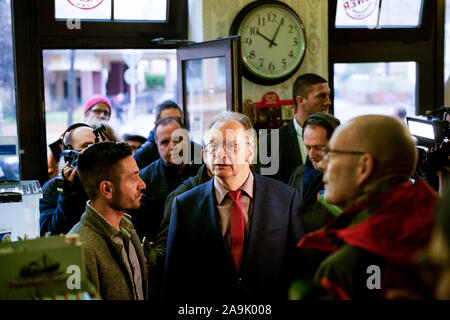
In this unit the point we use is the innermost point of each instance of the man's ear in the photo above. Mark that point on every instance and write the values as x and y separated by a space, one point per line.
299 100
250 152
106 189
204 155
366 167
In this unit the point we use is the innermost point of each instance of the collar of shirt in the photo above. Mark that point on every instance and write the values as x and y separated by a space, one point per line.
126 228
221 190
297 127
301 145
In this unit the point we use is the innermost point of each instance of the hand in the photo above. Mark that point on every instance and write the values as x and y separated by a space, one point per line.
275 35
271 42
69 173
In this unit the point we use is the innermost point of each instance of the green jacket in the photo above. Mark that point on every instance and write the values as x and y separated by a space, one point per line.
103 260
385 229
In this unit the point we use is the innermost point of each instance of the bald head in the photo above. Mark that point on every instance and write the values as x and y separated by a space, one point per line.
80 138
385 138
364 152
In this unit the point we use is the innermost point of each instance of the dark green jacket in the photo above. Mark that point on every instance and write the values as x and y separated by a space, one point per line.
103 261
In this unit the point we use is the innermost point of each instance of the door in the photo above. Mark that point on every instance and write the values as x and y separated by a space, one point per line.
209 81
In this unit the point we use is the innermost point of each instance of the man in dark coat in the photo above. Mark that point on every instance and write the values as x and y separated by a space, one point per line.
148 151
61 209
233 237
162 176
307 178
311 94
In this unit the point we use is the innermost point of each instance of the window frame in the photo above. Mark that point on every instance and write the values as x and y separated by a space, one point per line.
422 32
176 26
423 45
30 39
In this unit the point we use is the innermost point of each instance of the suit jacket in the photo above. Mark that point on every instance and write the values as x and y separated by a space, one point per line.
198 261
288 153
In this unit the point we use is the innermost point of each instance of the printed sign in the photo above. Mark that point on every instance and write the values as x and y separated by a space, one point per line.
360 9
85 4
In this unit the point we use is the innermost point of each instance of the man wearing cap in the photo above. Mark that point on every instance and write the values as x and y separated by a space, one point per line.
97 109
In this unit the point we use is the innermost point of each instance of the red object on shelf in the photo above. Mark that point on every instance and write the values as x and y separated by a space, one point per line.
271 99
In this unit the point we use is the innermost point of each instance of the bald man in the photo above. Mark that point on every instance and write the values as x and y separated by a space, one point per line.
387 218
59 212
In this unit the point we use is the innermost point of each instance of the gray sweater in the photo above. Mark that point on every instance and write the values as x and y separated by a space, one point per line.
103 258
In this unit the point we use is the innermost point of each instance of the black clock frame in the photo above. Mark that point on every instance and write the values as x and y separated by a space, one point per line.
249 75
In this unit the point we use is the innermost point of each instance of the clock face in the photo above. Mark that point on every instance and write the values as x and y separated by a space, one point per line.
272 42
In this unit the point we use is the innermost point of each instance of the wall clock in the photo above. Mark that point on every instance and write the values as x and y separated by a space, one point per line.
273 41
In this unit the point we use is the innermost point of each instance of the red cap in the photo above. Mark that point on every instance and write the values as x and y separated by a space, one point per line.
98 98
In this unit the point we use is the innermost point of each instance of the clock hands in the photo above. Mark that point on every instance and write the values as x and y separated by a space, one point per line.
271 41
276 32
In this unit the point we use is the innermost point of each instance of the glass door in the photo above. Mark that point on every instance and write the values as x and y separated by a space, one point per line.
209 82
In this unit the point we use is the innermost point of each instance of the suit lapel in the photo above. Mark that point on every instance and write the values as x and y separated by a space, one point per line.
258 220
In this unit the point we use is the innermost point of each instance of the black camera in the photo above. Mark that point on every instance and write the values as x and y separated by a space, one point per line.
71 156
432 132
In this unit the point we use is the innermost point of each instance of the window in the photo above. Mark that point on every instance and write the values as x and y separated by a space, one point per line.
396 65
113 18
144 10
108 72
119 58
378 13
374 88
9 149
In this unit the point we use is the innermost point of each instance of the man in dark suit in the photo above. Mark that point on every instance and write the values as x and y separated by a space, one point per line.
233 237
311 94
163 175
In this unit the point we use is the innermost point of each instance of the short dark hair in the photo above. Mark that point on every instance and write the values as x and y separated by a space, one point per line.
164 121
133 137
324 120
167 104
303 84
98 163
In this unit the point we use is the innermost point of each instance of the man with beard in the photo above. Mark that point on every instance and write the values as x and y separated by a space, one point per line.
113 257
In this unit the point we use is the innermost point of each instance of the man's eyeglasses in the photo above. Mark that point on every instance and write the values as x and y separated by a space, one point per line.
326 152
230 147
98 112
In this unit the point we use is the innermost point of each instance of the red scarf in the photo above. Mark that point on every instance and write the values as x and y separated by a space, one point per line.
396 231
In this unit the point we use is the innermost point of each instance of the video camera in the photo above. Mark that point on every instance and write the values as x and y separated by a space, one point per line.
432 132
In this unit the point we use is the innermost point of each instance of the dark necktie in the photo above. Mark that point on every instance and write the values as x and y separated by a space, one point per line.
237 228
